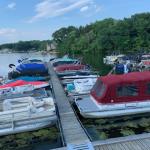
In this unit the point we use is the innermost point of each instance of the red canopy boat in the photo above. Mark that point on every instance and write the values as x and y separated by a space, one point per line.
70 67
116 95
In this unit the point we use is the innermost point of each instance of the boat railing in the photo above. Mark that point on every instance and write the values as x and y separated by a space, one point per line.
11 118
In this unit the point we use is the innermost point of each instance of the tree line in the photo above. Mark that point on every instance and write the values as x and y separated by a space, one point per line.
26 46
96 40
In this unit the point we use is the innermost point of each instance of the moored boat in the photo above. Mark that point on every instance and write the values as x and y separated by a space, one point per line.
37 93
80 86
26 114
21 86
67 70
65 60
117 95
29 78
78 75
29 69
27 60
70 67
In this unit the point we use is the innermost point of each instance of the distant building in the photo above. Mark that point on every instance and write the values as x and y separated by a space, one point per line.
50 47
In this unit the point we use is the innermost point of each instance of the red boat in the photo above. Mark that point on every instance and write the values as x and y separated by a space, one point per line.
70 67
36 84
116 95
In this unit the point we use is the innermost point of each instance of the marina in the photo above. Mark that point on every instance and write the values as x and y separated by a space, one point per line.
93 133
74 75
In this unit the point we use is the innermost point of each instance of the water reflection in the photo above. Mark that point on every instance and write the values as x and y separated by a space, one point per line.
100 129
46 139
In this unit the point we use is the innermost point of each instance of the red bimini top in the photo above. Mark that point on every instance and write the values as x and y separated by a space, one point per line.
69 67
124 88
21 83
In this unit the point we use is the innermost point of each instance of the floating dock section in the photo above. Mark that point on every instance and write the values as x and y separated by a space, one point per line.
72 130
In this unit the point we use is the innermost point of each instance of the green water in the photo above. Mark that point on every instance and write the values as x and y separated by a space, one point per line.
47 138
100 129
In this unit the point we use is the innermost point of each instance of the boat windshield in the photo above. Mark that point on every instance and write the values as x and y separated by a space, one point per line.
99 88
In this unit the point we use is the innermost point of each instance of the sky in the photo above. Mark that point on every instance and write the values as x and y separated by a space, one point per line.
38 19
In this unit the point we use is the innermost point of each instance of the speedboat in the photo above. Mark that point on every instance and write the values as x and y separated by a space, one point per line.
21 86
29 69
26 114
78 75
65 70
72 74
70 67
80 86
64 60
26 60
117 95
29 78
145 62
110 60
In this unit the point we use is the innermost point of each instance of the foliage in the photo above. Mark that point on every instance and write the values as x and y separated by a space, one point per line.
126 132
20 46
101 38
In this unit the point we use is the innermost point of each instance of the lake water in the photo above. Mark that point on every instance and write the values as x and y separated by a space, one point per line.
12 58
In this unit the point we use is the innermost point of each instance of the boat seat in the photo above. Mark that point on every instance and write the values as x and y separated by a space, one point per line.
86 105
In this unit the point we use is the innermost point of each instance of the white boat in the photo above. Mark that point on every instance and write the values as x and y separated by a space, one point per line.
26 114
110 60
117 95
80 86
69 78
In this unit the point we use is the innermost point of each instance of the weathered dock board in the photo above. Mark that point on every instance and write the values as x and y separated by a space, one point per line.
134 142
71 128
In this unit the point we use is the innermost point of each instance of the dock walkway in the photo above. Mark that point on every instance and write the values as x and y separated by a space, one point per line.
72 130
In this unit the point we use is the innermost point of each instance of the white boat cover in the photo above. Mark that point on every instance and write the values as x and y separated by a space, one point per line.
83 86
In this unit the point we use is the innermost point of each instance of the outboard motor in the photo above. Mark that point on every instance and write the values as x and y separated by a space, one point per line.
11 65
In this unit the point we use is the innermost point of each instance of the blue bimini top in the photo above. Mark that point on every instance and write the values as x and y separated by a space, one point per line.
31 67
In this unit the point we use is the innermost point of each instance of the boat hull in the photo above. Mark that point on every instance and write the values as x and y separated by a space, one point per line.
26 114
26 126
89 109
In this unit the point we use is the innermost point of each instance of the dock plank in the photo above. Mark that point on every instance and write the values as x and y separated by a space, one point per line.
143 144
72 129
117 147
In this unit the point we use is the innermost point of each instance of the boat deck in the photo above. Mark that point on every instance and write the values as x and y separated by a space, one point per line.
72 130
18 115
87 105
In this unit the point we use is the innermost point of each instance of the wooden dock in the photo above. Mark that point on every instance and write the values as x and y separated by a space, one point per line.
71 128
74 134
133 142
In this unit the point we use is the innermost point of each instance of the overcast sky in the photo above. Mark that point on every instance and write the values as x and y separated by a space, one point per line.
38 19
